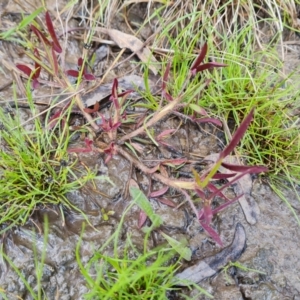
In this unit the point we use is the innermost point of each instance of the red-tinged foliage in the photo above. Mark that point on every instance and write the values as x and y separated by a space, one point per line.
88 77
200 193
164 92
209 120
238 135
214 189
165 76
158 193
28 71
87 149
74 73
125 93
55 42
164 134
223 176
55 119
34 73
166 201
94 109
37 66
110 151
243 168
114 94
250 170
108 125
167 96
200 57
80 62
197 66
40 35
142 219
205 214
207 66
226 204
24 69
212 233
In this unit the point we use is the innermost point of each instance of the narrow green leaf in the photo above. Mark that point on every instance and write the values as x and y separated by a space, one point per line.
179 247
30 18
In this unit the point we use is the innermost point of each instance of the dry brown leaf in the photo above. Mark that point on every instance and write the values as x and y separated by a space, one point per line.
124 40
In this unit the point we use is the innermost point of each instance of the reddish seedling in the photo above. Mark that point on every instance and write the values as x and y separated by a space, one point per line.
88 148
34 74
197 66
74 73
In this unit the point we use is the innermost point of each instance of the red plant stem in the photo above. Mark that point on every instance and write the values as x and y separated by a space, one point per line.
177 184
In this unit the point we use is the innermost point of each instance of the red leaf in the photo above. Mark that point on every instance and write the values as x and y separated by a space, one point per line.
238 135
80 62
37 66
213 189
35 83
88 148
54 119
200 193
223 176
167 96
224 205
56 45
200 57
114 90
110 151
215 236
206 214
159 192
125 93
167 201
89 76
91 110
242 168
209 120
73 73
165 133
40 35
142 219
165 76
210 65
252 170
88 143
114 94
24 69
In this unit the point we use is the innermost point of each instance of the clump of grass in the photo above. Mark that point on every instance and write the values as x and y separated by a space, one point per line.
254 77
35 169
114 274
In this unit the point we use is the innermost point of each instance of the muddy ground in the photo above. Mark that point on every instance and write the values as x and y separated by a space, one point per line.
271 243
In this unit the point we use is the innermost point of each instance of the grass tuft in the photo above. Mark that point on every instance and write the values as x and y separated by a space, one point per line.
35 169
